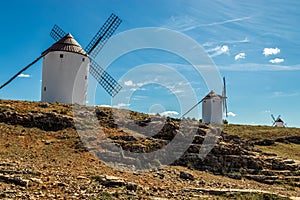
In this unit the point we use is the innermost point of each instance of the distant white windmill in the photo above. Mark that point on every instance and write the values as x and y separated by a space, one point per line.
278 121
214 106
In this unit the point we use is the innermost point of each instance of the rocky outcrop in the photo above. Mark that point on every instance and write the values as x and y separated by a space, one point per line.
229 155
49 121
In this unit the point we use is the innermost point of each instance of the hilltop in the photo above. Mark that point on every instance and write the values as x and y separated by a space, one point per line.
43 157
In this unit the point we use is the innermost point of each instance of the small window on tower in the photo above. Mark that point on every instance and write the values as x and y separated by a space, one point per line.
83 59
85 77
61 55
44 88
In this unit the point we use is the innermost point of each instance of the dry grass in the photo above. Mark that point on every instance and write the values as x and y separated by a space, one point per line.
253 133
291 151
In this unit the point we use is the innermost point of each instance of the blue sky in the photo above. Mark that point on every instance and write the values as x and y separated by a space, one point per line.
254 44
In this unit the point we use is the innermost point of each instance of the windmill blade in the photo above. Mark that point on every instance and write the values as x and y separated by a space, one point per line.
225 97
191 109
57 33
102 36
111 86
278 117
22 70
273 118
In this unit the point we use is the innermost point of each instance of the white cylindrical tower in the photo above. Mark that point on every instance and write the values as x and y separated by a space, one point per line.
212 108
65 72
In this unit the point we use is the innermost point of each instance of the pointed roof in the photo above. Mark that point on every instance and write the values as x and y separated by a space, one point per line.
278 120
212 95
67 43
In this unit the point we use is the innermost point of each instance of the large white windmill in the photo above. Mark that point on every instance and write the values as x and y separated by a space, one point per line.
63 63
214 106
66 65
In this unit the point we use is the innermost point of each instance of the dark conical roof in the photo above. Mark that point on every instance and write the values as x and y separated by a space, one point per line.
211 95
67 43
279 120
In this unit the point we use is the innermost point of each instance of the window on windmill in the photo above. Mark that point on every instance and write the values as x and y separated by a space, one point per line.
45 88
61 55
85 77
83 59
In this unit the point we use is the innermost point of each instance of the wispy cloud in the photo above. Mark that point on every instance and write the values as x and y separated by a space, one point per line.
214 43
24 76
241 55
271 51
185 23
245 40
219 50
227 21
134 86
284 94
276 60
259 67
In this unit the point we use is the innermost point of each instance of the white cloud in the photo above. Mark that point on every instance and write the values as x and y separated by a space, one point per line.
24 75
176 91
271 51
169 113
276 60
128 83
106 106
231 114
240 56
266 111
119 105
219 50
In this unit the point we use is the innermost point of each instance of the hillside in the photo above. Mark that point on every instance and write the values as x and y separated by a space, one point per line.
43 157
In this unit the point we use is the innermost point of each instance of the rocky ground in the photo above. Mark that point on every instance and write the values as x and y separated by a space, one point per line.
42 156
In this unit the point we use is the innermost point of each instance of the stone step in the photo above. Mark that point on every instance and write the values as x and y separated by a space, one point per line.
292 178
262 178
269 172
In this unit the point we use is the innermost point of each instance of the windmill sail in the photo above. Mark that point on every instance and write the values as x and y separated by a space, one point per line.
111 86
224 97
57 33
22 70
274 120
102 36
105 80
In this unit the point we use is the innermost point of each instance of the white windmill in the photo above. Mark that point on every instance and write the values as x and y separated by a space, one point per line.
214 106
62 63
278 121
66 65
